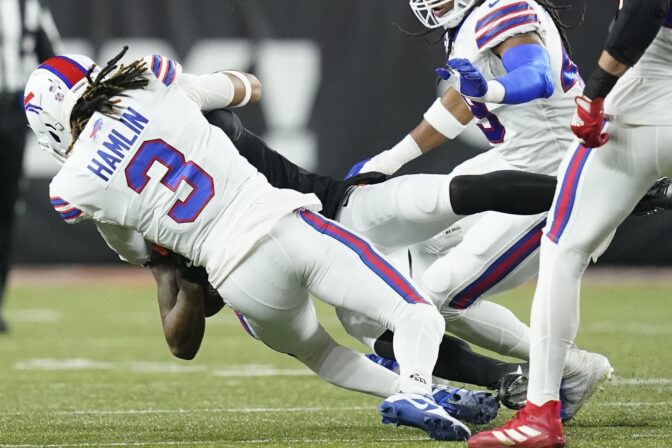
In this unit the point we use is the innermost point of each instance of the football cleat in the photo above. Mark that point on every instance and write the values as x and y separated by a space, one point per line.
659 197
532 427
477 407
419 411
513 390
577 387
389 364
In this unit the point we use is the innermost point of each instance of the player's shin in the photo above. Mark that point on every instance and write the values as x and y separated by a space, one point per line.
555 319
418 330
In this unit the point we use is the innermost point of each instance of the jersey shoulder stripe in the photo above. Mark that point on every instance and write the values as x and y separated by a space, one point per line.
164 69
68 212
504 22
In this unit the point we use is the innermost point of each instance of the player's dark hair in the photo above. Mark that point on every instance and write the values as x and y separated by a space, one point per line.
550 7
98 96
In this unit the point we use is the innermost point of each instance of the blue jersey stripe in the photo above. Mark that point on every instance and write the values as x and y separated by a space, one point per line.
499 13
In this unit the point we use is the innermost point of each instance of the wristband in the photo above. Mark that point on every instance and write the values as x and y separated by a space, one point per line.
599 84
246 84
443 121
496 92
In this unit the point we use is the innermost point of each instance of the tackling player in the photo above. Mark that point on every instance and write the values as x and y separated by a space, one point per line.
598 188
141 161
515 78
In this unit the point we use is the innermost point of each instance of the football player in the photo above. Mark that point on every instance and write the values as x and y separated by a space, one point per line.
602 175
511 72
142 162
514 192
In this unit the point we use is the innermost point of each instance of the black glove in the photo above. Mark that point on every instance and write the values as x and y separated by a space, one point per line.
369 178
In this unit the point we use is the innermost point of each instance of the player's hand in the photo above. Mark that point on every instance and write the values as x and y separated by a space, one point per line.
588 122
358 168
386 163
472 82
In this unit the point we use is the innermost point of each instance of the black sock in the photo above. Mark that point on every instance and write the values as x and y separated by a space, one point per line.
457 362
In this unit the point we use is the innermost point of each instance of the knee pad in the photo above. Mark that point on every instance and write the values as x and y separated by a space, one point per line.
421 315
422 195
483 245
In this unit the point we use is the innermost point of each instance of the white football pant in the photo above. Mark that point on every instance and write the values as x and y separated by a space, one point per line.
306 253
597 189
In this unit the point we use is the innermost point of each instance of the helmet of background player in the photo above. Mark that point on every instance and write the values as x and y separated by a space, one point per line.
437 13
51 92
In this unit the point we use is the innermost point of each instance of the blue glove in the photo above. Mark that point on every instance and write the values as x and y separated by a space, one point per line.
472 82
356 168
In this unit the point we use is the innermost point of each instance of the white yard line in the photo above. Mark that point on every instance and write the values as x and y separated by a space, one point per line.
80 412
620 381
220 442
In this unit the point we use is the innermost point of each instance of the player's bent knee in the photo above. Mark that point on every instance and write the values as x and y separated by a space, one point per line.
423 316
422 196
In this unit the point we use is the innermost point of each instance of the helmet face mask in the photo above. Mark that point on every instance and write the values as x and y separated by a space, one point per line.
425 11
50 95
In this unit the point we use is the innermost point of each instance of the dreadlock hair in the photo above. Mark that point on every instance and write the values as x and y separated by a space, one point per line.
98 96
550 7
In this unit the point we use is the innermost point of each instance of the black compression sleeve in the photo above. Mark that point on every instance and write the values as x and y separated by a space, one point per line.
599 84
514 192
457 362
635 28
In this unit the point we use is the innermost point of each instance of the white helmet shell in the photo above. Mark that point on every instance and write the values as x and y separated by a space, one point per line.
425 12
51 92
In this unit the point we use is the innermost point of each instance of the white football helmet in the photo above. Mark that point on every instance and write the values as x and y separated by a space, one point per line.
51 92
424 10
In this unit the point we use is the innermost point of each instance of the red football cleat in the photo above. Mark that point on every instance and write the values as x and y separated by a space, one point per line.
532 427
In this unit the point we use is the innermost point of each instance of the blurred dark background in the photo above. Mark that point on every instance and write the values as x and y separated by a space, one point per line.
341 82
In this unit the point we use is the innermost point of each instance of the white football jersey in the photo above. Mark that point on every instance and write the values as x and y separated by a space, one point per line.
162 170
535 135
643 96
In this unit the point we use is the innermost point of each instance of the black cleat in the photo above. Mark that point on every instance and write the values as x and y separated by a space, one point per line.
3 325
659 197
513 390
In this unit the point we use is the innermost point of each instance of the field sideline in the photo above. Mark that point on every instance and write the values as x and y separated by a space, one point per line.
86 365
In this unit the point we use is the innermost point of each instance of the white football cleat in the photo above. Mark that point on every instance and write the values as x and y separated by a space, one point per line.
577 387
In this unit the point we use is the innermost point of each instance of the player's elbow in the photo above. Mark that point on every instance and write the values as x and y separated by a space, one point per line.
183 349
546 84
185 353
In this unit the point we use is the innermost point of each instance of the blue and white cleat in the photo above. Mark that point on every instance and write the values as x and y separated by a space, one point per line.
422 412
476 407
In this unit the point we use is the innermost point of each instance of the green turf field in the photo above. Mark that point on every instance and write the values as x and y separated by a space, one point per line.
87 366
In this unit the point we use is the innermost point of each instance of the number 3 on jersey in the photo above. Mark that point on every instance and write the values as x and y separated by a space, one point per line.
492 128
179 170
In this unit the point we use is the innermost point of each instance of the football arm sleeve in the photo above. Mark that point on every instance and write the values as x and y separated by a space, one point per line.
221 89
635 27
182 310
128 244
529 74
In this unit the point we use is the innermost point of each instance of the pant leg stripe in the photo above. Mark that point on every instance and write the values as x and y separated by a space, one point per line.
565 200
500 268
245 324
369 256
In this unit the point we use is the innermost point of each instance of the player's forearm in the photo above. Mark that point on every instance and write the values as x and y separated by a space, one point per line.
184 324
221 89
182 310
605 76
